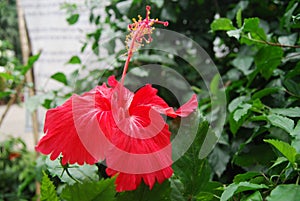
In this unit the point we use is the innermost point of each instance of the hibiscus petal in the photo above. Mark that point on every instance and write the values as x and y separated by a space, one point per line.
185 109
61 137
73 129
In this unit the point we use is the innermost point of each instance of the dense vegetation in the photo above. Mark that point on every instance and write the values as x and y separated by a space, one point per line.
256 48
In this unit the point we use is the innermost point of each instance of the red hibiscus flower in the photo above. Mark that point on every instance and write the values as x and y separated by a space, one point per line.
114 124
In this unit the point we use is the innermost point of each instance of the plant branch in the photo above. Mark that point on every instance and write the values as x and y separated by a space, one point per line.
271 43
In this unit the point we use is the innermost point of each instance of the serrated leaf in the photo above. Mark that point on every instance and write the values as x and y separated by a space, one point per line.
281 122
177 190
74 60
236 102
73 19
91 191
239 113
60 77
192 171
290 192
268 59
80 173
222 24
288 112
284 148
251 24
48 192
296 131
240 187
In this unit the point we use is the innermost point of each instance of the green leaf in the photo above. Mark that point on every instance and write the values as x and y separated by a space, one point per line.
279 161
281 122
286 19
60 77
160 192
48 192
177 190
214 85
159 3
287 150
239 18
245 177
73 19
254 197
90 191
222 24
266 91
268 59
296 131
288 40
80 173
74 60
30 63
243 63
193 172
219 159
124 6
288 112
240 187
290 192
251 24
239 113
236 102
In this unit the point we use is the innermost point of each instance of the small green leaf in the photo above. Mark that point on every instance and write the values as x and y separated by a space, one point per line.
279 161
48 192
222 24
281 122
254 197
296 131
60 77
74 60
287 150
239 113
251 24
268 59
288 112
239 18
264 92
290 192
73 19
245 177
240 187
30 63
243 63
236 102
